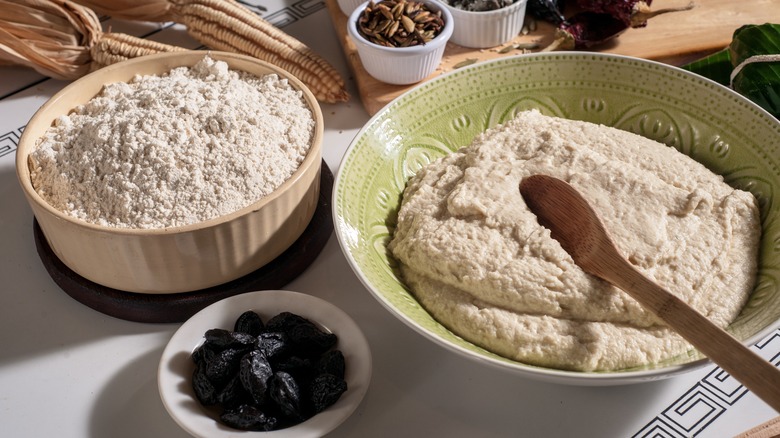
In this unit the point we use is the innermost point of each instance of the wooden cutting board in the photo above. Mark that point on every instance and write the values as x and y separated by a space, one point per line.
674 38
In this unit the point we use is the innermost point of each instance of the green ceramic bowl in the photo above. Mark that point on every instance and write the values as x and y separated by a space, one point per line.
713 125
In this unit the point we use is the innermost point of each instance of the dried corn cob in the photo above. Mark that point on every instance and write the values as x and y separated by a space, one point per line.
63 40
227 25
111 48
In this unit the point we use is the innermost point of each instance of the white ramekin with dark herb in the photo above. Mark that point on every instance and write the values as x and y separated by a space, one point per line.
485 23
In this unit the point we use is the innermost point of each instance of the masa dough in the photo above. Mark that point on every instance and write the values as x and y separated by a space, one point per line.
476 258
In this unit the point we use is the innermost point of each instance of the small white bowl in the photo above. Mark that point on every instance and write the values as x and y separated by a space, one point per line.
401 65
174 377
485 29
348 6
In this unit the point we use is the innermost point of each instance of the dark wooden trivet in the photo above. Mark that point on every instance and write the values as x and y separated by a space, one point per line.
178 307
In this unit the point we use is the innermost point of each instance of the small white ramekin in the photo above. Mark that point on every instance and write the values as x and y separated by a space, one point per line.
401 65
481 30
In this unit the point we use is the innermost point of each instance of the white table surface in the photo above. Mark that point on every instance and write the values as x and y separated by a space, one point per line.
69 371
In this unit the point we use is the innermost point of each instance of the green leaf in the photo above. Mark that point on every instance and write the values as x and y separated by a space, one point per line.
754 39
758 81
716 67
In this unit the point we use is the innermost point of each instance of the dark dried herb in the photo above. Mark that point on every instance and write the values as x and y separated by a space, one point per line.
585 30
479 5
599 21
547 10
634 13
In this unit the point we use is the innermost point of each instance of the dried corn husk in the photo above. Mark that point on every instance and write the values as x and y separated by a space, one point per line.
139 10
63 40
227 25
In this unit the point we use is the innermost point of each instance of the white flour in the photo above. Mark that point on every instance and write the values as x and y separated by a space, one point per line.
176 149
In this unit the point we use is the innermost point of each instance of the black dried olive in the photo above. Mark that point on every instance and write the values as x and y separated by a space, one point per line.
248 417
221 339
302 368
287 395
203 354
250 323
325 390
223 366
218 338
310 340
307 338
284 321
255 373
233 394
331 362
264 376
273 344
204 389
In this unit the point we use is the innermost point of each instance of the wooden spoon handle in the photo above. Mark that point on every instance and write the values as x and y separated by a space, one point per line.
758 375
770 429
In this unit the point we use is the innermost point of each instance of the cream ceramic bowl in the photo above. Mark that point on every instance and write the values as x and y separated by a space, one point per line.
401 65
178 259
484 29
715 126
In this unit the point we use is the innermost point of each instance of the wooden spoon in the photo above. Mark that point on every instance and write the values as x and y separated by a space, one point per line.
574 224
